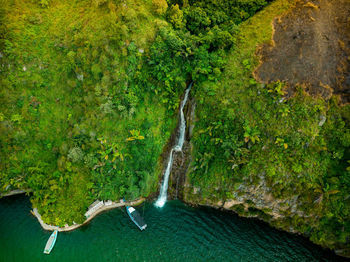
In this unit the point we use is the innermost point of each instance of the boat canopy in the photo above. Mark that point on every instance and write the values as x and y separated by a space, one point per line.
136 218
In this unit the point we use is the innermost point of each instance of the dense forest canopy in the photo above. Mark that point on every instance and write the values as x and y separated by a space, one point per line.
89 97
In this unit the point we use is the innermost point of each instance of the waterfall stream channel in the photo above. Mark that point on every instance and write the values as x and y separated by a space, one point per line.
176 148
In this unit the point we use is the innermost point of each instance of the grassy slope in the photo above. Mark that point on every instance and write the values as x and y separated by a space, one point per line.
66 138
244 134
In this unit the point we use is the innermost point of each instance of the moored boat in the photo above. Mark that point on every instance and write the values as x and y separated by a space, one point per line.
51 242
136 218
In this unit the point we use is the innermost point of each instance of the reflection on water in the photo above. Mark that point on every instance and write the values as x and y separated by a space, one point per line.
174 233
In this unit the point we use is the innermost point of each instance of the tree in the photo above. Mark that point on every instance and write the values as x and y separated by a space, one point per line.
99 2
44 3
159 6
197 19
176 16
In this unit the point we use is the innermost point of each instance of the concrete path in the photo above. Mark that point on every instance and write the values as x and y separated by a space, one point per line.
75 226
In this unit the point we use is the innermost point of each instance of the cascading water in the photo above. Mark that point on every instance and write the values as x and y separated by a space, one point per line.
177 148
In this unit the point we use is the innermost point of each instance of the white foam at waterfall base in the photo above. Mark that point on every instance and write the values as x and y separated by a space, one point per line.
178 148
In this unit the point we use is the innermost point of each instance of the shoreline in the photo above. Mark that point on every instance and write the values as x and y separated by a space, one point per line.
15 192
103 208
35 213
48 227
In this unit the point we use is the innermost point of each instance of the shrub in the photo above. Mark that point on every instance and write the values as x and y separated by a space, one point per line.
176 16
159 6
75 154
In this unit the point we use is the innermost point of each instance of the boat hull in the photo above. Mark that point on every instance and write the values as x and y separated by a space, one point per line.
136 218
51 242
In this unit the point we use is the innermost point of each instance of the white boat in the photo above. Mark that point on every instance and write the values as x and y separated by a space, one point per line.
51 242
136 218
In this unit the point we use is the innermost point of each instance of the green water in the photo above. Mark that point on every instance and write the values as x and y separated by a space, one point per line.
174 233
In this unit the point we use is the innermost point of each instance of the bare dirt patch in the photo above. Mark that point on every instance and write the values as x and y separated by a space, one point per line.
311 48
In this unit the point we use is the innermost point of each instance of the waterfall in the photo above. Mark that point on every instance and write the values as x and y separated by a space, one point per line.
178 148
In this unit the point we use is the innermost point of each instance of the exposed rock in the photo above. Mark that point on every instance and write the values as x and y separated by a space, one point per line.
80 77
230 203
196 190
182 159
322 120
310 48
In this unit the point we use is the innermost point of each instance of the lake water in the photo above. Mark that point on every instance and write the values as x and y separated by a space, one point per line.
174 233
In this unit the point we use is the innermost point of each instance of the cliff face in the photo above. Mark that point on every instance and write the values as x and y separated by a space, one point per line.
252 201
258 201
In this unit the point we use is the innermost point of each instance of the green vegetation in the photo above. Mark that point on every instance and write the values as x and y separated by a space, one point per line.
193 46
90 91
79 119
79 115
246 132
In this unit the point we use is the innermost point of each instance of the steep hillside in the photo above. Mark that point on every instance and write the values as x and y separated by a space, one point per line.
262 150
